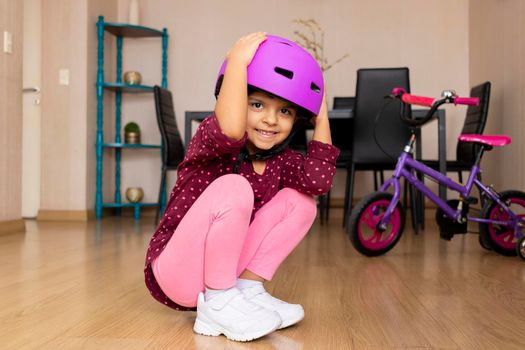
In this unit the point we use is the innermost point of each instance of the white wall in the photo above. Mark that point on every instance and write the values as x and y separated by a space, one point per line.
430 37
446 44
498 55
69 112
11 113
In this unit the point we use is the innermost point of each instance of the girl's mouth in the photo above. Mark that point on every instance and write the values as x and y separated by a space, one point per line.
265 133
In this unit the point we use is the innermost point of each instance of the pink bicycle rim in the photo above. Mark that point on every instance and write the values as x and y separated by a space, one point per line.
378 240
506 239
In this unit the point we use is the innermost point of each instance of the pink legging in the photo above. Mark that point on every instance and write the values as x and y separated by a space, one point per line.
215 242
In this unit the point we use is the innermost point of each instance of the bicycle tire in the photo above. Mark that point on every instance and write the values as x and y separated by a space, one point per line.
363 221
500 238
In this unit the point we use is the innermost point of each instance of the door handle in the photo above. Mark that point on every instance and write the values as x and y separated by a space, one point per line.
35 89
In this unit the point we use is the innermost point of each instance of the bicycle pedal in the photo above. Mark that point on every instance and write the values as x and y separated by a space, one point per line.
471 200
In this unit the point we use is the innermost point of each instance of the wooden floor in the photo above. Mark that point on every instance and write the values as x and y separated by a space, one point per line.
80 286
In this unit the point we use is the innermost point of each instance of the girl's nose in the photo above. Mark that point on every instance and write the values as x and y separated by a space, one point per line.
270 118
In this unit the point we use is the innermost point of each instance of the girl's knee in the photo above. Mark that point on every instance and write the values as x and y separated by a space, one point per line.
235 190
303 203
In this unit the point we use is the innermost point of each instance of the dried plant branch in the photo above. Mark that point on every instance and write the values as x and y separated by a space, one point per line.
313 41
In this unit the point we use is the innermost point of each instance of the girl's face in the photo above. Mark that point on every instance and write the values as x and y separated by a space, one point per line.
270 121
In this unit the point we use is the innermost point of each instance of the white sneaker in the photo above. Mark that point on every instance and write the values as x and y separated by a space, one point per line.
232 315
290 313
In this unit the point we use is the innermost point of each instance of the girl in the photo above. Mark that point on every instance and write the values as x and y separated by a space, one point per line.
243 200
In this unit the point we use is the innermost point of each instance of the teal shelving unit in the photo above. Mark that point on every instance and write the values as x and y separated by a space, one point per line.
121 30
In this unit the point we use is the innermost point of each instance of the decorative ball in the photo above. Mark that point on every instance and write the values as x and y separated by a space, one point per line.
132 78
134 194
132 137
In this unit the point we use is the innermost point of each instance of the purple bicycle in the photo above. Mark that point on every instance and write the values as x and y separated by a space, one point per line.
377 221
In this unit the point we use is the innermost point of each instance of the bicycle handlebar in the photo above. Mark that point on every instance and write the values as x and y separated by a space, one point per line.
469 101
449 97
417 100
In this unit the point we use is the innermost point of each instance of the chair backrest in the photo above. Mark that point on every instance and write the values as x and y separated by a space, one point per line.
341 129
474 122
344 102
372 87
299 141
341 132
173 152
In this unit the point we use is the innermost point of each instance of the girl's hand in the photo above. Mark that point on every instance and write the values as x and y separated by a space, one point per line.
244 49
322 124
231 108
323 111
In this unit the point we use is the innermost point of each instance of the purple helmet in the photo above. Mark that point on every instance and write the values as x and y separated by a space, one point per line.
285 69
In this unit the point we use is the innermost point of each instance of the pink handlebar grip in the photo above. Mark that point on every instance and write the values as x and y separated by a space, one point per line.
398 91
417 100
469 101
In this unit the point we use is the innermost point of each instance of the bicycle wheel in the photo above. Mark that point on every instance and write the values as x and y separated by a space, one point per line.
362 225
501 238
520 248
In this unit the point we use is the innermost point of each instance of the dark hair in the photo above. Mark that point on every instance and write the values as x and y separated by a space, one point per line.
301 122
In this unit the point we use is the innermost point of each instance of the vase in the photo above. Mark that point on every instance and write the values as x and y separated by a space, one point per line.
132 78
134 12
134 194
132 137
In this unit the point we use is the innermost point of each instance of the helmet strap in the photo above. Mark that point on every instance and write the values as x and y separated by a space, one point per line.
245 156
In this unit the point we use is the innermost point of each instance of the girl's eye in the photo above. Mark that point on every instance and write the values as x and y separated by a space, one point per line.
256 105
286 111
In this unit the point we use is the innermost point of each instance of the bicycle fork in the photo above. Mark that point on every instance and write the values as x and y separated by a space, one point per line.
395 183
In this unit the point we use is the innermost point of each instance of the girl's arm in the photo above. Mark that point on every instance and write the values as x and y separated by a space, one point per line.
232 103
322 125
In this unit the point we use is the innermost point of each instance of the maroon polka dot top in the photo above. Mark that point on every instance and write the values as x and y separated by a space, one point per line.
212 154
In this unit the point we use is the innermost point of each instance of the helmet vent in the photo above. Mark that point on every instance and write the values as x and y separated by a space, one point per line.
282 42
315 88
285 72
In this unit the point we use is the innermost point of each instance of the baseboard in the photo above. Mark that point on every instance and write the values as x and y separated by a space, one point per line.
12 226
65 215
149 212
339 202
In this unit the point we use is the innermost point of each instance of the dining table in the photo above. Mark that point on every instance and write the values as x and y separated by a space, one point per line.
194 117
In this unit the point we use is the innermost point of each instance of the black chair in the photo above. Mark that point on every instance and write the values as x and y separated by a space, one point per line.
172 148
475 121
372 87
340 130
344 103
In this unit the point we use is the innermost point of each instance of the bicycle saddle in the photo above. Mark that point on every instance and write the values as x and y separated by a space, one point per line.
489 140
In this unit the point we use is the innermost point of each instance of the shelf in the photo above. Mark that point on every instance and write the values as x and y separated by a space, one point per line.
129 145
129 205
131 31
127 87
116 144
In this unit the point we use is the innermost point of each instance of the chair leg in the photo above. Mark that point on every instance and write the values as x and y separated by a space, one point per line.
349 193
375 180
382 175
405 196
322 208
347 189
420 203
460 176
161 200
327 211
481 198
413 208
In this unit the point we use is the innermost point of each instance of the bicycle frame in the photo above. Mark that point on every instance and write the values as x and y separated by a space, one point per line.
405 167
